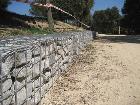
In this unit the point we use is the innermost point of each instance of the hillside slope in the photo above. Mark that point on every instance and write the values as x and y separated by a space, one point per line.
25 25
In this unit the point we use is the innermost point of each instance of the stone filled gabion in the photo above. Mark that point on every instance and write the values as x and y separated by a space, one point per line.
30 65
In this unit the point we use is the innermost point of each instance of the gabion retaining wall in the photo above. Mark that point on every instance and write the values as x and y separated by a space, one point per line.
30 65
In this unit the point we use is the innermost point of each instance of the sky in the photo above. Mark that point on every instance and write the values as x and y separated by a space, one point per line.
103 4
23 9
19 8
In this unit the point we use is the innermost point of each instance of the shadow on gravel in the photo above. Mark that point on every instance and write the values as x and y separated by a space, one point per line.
121 39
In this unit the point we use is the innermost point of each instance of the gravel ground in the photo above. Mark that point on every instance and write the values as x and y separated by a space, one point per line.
107 72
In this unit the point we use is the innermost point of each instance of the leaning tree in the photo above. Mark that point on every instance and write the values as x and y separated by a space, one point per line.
78 8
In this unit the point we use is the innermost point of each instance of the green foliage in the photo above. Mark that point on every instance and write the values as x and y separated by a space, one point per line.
131 20
78 8
37 31
106 21
39 11
24 31
4 3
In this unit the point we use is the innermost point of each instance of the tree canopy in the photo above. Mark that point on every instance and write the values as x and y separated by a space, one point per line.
4 4
131 20
106 21
78 8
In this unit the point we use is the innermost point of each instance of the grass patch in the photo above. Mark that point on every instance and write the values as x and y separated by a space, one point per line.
37 31
4 32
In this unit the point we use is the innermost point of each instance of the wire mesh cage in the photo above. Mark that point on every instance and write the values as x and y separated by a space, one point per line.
30 65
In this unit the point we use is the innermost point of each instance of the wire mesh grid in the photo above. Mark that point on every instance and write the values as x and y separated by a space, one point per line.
30 65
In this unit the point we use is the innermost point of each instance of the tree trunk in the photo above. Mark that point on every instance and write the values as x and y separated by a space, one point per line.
50 18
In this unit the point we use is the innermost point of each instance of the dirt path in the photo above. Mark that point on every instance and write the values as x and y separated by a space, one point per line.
106 73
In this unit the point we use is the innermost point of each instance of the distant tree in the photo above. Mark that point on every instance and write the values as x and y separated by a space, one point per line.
106 21
131 20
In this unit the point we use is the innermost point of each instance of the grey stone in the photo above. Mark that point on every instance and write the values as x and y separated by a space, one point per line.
48 56
7 84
